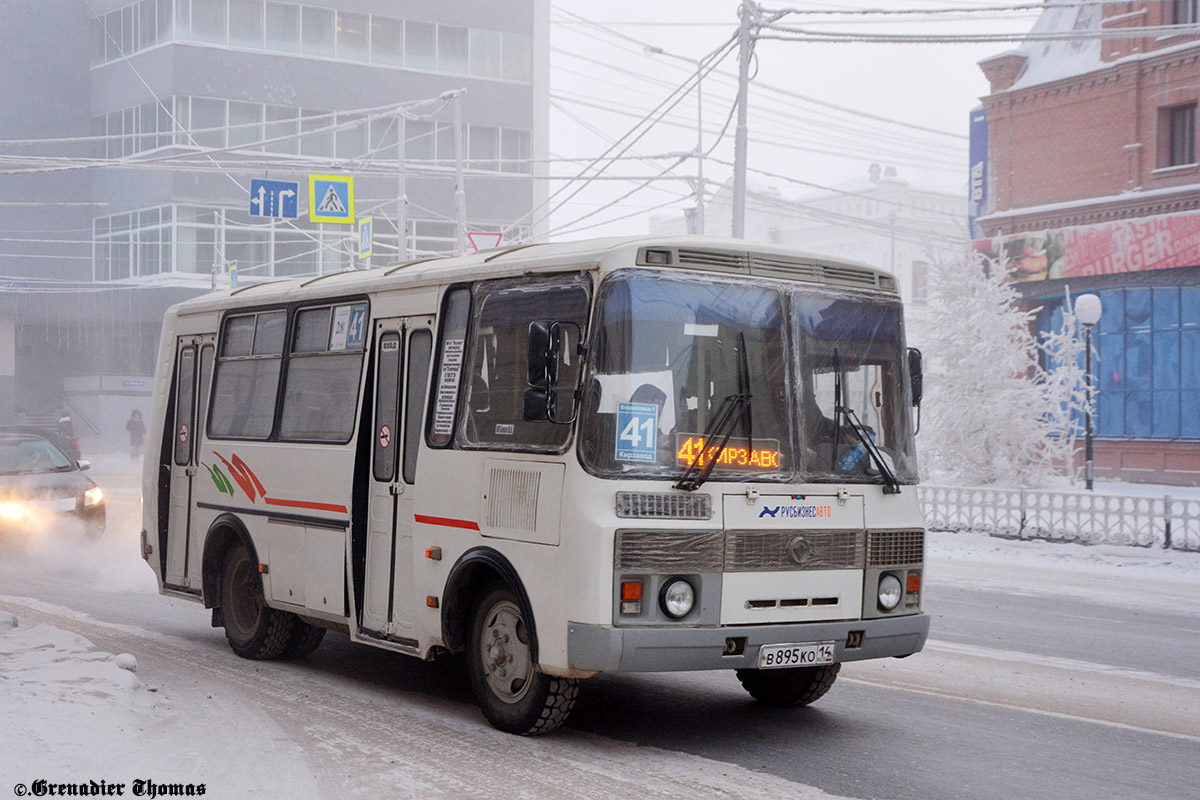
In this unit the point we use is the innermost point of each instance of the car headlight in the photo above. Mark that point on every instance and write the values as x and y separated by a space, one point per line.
890 591
677 598
11 511
92 496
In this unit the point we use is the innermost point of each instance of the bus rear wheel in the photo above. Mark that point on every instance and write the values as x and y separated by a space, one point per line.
514 695
781 688
253 629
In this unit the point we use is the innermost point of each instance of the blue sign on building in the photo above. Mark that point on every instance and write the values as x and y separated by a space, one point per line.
978 200
274 198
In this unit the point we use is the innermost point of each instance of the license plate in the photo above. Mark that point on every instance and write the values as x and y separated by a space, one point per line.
779 656
58 504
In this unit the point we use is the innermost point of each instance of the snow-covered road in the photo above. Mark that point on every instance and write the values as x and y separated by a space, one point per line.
353 721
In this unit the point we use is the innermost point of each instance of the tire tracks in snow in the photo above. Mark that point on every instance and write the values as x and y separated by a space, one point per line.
362 739
1137 700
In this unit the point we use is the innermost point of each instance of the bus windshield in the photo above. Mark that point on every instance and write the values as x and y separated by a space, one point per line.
683 365
852 356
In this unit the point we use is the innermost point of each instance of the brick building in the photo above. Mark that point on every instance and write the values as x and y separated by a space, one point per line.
1091 183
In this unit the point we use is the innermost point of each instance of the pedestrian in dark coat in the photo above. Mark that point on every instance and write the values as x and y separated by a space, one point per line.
137 434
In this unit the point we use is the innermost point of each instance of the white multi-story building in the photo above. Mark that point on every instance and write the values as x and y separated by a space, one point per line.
155 116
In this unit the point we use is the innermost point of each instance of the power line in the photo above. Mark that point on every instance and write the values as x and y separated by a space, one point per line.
665 106
773 88
864 151
832 189
563 229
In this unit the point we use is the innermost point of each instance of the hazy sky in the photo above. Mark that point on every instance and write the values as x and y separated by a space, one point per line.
602 83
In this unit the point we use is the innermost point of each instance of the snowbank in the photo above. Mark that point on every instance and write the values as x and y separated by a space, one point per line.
65 702
1149 577
74 715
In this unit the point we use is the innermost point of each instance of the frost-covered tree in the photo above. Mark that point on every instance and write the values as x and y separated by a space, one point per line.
1064 383
986 417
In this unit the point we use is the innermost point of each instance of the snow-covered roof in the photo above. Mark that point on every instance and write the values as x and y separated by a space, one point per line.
1133 196
1048 61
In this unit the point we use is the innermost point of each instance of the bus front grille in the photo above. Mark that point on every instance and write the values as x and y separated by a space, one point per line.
759 551
895 548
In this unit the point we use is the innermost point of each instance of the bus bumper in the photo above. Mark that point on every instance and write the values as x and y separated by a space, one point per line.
604 648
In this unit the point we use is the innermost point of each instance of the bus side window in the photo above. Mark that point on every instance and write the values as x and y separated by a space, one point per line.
247 375
420 347
498 367
206 369
456 310
386 384
320 390
185 405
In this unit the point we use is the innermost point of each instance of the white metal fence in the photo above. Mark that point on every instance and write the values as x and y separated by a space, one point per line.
1083 517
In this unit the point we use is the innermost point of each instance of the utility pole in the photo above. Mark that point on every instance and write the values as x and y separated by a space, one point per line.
749 13
402 196
699 150
460 192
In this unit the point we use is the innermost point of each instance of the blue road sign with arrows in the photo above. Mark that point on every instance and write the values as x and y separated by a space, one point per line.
274 198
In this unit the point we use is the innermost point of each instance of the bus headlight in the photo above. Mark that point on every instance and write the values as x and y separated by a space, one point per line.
677 598
890 591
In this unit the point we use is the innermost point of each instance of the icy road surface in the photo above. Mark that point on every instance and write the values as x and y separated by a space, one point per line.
1053 670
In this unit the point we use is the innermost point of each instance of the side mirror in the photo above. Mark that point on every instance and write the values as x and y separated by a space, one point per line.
83 465
916 374
540 405
543 355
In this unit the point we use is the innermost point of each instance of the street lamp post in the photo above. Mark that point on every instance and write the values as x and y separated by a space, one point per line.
699 62
1087 311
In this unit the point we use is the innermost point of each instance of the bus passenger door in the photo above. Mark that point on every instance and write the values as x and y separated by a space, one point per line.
193 373
402 352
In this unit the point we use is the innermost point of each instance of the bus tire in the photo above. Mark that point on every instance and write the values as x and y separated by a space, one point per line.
515 696
782 688
305 638
254 629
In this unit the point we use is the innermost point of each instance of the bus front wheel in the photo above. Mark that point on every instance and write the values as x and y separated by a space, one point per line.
305 639
515 696
798 686
253 629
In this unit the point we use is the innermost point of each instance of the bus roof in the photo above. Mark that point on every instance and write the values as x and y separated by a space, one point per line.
693 253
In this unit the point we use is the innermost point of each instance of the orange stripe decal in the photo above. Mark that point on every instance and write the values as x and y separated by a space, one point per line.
271 501
447 523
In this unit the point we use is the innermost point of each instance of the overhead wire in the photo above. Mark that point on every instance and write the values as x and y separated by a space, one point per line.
760 85
669 102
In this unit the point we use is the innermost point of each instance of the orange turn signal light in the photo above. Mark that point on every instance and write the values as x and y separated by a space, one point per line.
913 584
431 601
631 590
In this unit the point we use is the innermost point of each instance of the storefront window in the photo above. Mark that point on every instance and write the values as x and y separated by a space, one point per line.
1147 361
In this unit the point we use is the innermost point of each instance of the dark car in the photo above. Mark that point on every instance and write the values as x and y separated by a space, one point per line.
40 485
68 444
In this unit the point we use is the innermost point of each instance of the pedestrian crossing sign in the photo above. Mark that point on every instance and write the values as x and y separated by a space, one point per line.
331 198
366 236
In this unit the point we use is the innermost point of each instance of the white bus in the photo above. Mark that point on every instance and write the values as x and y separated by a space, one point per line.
621 455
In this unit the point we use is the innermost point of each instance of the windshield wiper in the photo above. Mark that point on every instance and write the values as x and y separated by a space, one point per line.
842 411
891 484
734 409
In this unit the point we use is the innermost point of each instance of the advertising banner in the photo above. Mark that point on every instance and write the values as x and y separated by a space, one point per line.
1169 241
